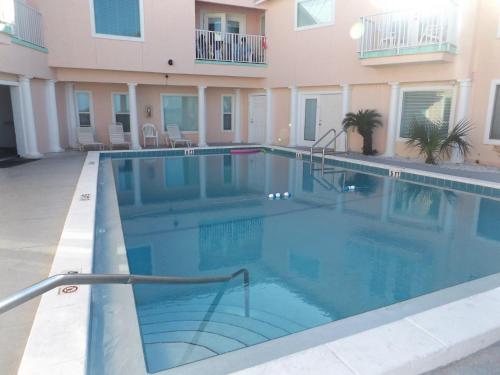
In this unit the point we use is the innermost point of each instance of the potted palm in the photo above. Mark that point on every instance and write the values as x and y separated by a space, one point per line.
364 121
433 141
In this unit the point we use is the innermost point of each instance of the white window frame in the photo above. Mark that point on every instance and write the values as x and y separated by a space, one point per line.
426 88
163 114
296 21
91 108
113 118
222 112
117 37
262 21
489 114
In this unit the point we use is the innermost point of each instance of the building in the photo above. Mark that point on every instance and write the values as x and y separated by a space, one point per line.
270 71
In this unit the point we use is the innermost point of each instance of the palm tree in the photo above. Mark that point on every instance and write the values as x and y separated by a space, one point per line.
365 121
433 142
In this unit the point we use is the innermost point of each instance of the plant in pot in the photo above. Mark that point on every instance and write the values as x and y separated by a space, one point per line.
364 121
433 140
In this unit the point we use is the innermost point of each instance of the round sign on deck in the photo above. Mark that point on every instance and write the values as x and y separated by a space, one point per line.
70 289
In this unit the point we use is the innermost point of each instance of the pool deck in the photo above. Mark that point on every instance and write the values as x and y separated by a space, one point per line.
35 198
36 219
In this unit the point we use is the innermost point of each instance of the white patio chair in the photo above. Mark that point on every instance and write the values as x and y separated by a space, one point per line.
117 136
174 136
86 139
149 132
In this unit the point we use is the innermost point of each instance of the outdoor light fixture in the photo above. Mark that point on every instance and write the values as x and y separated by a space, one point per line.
357 30
149 110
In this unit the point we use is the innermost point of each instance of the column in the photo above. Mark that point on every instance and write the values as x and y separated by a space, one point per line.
136 173
392 125
134 121
53 120
346 108
202 117
237 117
294 93
202 160
269 117
71 115
29 118
465 86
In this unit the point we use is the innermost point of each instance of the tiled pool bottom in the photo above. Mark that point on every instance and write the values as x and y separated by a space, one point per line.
321 256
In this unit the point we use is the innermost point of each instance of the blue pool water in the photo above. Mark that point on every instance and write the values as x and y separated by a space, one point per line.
322 255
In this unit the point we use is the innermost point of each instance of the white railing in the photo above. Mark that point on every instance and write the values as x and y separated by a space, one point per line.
28 24
408 31
229 47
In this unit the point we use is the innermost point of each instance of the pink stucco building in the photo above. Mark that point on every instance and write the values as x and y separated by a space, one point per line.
273 72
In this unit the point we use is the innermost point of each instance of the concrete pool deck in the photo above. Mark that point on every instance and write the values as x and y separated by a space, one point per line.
34 201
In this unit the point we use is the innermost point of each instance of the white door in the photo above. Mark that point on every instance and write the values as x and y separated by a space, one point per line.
257 119
320 113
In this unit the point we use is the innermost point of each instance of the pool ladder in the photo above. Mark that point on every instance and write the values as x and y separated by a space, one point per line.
75 278
324 150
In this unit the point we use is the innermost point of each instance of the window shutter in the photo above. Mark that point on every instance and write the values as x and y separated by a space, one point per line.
117 17
425 106
495 119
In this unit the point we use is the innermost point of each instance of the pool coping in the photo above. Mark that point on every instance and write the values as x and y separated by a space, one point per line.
58 341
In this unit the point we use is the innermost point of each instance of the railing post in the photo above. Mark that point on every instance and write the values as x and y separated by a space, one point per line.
398 41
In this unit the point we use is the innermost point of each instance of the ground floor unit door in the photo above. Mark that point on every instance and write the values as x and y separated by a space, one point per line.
8 144
257 109
318 114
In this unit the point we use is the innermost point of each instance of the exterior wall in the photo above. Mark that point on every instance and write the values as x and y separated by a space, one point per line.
485 69
328 56
20 60
150 95
169 33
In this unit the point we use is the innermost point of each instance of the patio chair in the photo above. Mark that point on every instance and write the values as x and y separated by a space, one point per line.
149 132
117 136
86 139
174 136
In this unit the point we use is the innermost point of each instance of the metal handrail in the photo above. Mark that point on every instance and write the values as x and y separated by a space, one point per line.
74 278
319 140
335 148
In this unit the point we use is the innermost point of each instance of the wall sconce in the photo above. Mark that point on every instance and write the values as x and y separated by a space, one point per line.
149 110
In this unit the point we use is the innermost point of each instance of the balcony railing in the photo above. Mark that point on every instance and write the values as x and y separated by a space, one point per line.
409 32
28 24
232 48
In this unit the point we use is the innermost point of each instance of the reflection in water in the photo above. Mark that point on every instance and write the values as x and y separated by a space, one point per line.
323 255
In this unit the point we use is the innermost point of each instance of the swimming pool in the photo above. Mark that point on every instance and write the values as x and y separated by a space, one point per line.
326 253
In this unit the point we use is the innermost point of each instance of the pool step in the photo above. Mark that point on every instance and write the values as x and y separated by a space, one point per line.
178 333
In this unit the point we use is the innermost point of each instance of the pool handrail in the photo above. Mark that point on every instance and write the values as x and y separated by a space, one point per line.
75 278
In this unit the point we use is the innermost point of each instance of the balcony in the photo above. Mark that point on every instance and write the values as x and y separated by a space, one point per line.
221 47
23 22
409 36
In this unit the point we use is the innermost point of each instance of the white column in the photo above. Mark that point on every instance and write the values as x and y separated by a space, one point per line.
202 160
392 125
465 86
202 117
294 93
237 117
134 120
269 117
136 173
29 118
71 115
346 108
18 114
53 120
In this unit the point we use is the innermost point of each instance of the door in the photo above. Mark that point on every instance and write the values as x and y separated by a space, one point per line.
215 22
320 113
257 119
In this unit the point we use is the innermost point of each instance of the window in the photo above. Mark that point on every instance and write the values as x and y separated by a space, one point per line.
493 120
83 104
227 113
181 110
118 18
121 111
428 105
314 13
